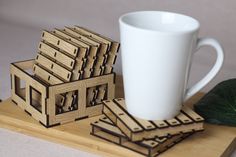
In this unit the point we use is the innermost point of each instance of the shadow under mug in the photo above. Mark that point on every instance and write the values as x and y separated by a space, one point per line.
157 50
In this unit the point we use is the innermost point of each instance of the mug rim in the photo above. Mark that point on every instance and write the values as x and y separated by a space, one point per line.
195 28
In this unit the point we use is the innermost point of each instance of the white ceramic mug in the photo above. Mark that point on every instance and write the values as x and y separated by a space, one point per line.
157 50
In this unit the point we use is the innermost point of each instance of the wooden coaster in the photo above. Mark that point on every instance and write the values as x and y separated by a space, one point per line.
106 130
65 57
137 129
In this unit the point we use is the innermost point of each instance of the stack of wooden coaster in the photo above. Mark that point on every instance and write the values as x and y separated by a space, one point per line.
71 54
149 138
70 77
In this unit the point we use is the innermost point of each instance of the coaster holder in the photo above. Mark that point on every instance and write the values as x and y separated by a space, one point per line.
38 98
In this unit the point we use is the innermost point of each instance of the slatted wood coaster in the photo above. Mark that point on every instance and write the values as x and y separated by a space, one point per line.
149 138
72 75
105 129
137 129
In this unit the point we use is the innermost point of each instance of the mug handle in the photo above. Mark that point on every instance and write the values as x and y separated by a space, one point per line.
215 69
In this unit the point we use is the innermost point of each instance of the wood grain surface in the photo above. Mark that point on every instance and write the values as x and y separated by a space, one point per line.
215 141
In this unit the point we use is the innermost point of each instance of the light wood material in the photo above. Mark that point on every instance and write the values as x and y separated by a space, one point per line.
214 141
50 96
46 76
67 46
91 48
54 50
137 129
108 131
57 55
66 56
102 46
113 46
53 67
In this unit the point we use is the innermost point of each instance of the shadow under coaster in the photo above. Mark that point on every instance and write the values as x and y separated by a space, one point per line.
136 129
105 129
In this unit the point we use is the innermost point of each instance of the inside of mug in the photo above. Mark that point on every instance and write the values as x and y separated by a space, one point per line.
160 21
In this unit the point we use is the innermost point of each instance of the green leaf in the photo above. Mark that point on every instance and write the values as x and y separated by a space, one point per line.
219 105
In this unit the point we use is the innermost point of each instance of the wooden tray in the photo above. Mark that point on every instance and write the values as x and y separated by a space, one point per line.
215 141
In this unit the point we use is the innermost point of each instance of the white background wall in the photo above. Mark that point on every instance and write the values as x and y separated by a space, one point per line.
21 22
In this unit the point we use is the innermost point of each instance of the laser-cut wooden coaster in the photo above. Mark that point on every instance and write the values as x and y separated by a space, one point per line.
137 129
106 130
65 57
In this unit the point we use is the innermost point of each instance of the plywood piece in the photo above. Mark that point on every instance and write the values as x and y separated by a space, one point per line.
214 141
65 56
123 116
148 148
94 110
76 75
104 119
192 114
184 119
68 105
136 129
56 69
49 78
77 71
101 94
161 140
31 89
82 51
72 38
160 123
103 48
107 69
108 126
67 46
97 71
46 76
86 73
92 49
100 61
111 59
57 55
82 110
90 95
89 63
173 122
54 109
80 71
16 75
113 46
72 32
147 125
